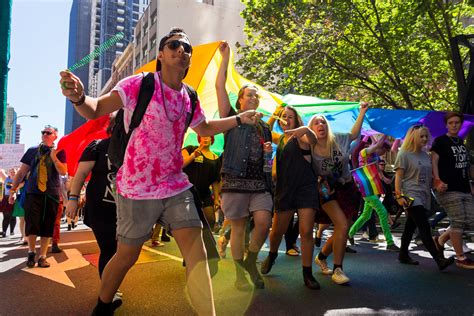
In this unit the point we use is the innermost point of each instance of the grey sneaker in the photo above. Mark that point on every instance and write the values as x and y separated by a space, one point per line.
339 276
323 265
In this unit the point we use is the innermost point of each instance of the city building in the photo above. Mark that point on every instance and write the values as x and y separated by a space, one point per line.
79 44
204 21
109 18
92 22
17 134
201 19
10 126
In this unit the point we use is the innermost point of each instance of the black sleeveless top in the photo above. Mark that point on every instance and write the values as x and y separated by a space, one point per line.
293 171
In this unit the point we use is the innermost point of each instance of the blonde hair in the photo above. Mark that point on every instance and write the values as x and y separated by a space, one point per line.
413 133
331 144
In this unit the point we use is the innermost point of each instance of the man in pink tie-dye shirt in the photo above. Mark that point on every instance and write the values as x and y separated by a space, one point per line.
151 185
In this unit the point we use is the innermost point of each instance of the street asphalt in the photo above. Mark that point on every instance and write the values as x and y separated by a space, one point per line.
155 285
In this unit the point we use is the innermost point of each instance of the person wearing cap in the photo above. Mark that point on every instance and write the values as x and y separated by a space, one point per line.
151 181
45 165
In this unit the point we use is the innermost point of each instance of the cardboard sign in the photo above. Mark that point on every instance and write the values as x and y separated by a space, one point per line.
10 155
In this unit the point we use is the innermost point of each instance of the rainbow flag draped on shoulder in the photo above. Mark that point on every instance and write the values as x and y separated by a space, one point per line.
368 180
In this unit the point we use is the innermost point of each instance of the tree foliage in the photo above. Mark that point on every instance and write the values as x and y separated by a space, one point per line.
392 53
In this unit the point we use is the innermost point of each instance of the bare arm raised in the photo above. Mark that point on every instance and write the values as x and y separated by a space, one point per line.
87 107
355 131
222 96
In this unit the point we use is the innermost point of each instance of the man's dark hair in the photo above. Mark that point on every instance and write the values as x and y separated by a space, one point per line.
451 114
174 31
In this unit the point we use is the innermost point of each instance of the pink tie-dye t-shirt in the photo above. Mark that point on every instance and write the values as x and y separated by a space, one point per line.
153 163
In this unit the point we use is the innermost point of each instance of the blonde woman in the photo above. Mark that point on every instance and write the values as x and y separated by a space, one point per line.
338 194
413 192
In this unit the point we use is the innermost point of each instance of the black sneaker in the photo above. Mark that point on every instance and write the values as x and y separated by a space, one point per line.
255 276
267 265
393 248
406 259
443 263
350 250
55 248
317 241
30 263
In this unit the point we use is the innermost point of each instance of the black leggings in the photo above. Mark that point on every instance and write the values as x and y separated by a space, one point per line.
106 239
8 220
291 234
416 218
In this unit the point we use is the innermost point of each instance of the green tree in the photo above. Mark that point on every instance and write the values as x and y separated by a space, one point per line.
392 53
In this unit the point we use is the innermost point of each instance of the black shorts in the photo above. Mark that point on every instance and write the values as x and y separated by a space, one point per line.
40 214
304 197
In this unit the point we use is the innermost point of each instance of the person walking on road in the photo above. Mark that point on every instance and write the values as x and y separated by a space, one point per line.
450 159
151 181
413 192
45 165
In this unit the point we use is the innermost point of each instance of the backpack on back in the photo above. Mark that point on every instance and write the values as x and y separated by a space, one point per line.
120 138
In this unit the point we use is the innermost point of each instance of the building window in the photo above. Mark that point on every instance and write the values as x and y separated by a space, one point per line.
135 16
153 43
210 2
136 1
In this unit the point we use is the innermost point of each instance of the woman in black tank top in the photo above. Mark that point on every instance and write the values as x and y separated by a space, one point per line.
295 191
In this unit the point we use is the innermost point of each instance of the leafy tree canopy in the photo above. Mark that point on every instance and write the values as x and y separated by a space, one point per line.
392 53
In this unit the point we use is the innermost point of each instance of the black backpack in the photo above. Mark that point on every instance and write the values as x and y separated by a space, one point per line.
119 139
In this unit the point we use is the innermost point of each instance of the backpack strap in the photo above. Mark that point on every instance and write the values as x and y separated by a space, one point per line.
194 99
147 88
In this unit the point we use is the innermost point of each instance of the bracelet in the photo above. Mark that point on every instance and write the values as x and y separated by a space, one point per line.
239 121
73 198
81 100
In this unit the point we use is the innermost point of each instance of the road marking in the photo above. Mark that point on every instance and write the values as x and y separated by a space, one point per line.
57 271
162 253
2 250
10 264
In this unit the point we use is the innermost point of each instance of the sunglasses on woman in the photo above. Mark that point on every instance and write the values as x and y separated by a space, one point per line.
175 44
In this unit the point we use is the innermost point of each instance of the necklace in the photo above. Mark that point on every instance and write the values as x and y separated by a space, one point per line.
164 103
454 140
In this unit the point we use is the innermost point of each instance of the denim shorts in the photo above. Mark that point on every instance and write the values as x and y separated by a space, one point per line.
135 218
459 207
240 205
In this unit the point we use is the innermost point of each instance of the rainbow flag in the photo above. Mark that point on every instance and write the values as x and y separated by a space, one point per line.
368 180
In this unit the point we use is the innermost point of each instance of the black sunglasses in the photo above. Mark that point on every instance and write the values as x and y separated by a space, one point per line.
175 44
46 133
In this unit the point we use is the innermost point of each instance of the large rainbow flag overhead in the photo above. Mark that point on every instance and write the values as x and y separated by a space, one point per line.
202 74
367 180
